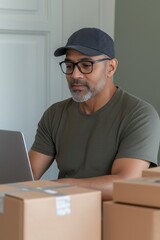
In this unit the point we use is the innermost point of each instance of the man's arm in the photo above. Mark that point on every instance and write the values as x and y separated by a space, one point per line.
122 168
39 163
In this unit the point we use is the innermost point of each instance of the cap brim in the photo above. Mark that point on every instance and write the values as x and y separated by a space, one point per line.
84 50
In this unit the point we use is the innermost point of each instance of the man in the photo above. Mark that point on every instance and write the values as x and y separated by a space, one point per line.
102 133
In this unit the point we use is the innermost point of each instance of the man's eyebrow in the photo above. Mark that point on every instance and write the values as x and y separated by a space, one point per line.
81 59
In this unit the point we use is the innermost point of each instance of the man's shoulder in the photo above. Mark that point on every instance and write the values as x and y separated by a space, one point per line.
130 98
133 101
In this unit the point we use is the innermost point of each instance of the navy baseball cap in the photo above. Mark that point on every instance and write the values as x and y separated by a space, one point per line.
90 42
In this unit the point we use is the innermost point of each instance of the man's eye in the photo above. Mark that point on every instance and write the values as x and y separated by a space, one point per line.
86 64
69 65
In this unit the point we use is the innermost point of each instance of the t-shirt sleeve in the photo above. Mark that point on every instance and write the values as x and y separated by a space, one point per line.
44 142
140 137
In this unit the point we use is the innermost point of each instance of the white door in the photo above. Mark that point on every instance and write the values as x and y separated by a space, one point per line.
25 33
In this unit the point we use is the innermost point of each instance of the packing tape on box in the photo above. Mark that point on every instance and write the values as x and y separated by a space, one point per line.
63 205
63 202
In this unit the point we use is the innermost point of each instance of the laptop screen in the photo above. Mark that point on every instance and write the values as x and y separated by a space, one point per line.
14 160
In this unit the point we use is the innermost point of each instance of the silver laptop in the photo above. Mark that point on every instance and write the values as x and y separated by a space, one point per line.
14 161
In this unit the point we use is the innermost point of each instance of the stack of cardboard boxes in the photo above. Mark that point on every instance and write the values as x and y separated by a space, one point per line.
134 213
46 210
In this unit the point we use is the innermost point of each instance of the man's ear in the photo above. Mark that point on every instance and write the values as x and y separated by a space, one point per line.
113 63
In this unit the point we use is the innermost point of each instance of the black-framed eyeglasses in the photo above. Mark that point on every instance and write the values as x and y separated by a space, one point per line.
84 66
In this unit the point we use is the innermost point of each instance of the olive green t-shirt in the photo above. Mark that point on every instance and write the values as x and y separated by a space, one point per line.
86 145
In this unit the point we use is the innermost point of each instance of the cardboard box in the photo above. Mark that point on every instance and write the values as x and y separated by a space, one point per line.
46 210
141 191
151 172
128 222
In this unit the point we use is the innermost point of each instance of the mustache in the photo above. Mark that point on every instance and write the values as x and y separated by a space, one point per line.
78 81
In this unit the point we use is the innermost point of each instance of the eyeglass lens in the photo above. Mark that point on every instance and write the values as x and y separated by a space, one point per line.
84 67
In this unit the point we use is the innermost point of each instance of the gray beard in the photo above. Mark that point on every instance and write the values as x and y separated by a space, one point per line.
78 97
